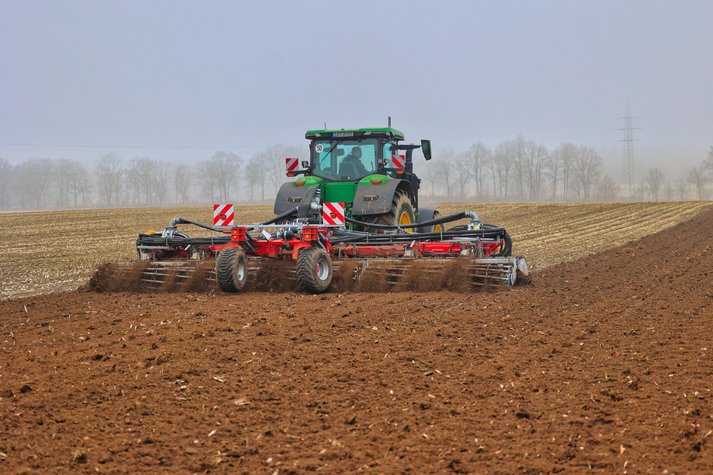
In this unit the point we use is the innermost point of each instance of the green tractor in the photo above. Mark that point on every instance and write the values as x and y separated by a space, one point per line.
369 170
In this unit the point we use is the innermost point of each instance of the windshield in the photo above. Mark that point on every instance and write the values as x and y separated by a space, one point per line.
344 159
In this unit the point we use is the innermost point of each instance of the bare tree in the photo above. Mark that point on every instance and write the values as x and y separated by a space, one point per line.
110 177
162 179
207 180
256 174
492 166
608 189
697 178
461 165
519 169
62 168
669 191
504 158
535 156
552 171
80 186
558 168
443 171
428 175
32 180
219 174
272 160
5 171
587 169
181 182
144 171
73 183
654 182
681 189
478 157
561 168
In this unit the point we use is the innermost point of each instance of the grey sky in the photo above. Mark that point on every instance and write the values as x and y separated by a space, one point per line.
160 77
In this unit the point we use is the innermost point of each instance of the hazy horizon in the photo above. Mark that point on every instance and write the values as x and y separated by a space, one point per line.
179 81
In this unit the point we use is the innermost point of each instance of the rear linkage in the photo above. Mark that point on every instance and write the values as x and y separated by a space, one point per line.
485 251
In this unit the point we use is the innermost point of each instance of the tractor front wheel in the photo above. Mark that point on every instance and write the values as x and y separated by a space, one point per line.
314 270
231 269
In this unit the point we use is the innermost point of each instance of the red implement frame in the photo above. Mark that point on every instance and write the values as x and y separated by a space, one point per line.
275 248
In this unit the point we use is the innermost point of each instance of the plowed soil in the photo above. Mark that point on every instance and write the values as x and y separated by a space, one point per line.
602 364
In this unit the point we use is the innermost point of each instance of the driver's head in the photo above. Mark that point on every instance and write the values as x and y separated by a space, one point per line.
356 151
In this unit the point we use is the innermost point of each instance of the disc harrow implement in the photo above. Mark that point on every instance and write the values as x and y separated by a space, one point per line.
316 258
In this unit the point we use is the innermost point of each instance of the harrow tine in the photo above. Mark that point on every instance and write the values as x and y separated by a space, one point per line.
389 273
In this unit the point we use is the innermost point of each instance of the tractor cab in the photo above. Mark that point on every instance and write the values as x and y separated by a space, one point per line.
350 155
369 171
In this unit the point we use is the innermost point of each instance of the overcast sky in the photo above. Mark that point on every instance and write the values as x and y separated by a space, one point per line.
180 80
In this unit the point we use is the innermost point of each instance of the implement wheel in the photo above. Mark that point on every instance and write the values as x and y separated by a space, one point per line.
231 269
401 213
314 270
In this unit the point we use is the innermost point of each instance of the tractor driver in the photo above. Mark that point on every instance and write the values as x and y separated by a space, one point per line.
352 164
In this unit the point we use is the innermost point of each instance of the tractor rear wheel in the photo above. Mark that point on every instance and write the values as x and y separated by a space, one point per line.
231 269
401 213
314 270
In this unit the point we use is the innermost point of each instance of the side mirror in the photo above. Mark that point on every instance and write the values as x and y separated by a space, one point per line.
426 149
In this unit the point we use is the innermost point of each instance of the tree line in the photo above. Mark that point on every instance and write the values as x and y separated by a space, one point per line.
43 183
525 170
515 170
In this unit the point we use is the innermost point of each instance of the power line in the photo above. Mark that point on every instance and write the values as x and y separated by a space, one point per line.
171 147
525 131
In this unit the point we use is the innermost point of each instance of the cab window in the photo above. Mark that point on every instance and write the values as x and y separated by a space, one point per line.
344 159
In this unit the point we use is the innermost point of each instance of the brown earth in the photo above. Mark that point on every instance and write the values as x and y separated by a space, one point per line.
601 364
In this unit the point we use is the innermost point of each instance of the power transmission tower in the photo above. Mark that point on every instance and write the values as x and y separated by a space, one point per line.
628 140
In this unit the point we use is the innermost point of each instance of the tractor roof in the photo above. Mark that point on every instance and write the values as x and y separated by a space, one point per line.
345 133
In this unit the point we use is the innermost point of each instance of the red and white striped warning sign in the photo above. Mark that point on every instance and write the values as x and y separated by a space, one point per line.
291 164
333 214
223 214
399 161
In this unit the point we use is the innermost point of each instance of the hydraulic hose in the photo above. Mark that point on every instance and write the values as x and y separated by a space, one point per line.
179 220
284 215
432 222
372 237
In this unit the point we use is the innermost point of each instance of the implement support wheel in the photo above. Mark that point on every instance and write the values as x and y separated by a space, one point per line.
231 269
314 270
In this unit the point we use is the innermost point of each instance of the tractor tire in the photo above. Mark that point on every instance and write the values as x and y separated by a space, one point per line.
231 269
401 213
507 249
314 270
438 228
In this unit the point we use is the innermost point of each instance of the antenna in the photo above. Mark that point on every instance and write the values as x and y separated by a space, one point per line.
325 125
389 121
628 140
